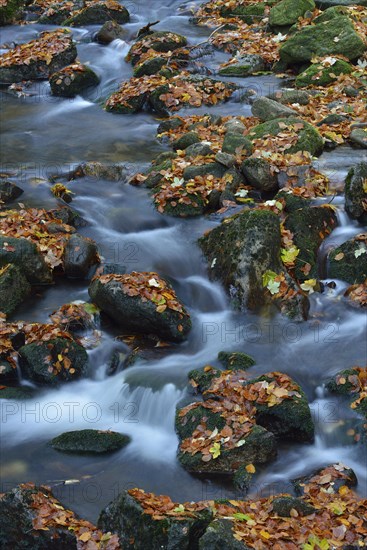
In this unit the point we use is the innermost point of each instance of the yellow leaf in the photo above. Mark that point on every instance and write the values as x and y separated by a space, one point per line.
60 357
84 537
161 309
265 534
250 468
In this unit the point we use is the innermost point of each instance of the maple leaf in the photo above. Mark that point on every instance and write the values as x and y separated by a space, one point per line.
215 450
270 283
288 255
309 285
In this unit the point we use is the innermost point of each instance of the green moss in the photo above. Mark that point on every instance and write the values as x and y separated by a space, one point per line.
248 13
186 425
149 66
15 393
319 75
186 140
89 441
9 11
235 360
331 13
292 202
233 142
309 138
349 268
203 379
287 12
69 82
154 176
14 288
97 14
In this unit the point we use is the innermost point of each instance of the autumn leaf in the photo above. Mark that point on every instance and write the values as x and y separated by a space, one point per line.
215 450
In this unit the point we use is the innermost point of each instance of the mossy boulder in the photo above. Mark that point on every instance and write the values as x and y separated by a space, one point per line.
9 191
149 66
243 249
218 535
233 143
245 65
211 168
26 256
287 12
358 137
9 10
324 4
309 138
199 149
267 109
72 80
249 13
126 517
309 227
356 192
14 288
321 75
110 31
287 96
137 313
49 363
89 442
289 420
202 379
184 141
258 173
38 59
319 40
98 13
159 41
350 383
348 261
234 360
331 13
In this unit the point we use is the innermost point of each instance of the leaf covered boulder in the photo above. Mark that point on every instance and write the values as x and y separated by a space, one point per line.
89 441
96 12
39 58
144 520
348 261
353 384
32 517
73 79
142 302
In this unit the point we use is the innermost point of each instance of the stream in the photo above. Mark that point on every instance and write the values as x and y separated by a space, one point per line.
44 135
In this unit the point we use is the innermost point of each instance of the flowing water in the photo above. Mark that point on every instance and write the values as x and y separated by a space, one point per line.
43 135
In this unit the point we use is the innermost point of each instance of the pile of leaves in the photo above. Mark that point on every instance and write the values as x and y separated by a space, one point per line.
339 518
149 287
181 91
152 45
247 40
75 316
34 225
70 8
235 398
43 48
50 515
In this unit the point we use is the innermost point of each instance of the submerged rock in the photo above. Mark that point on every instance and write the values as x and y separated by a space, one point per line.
356 192
14 288
142 302
49 363
110 31
39 58
348 261
89 442
235 360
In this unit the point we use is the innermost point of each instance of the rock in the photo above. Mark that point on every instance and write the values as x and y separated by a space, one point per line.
32 518
150 66
219 535
234 143
287 12
76 316
284 505
226 159
259 174
9 10
9 191
358 136
89 442
213 168
99 171
8 371
69 216
159 41
20 392
288 96
72 80
26 256
202 379
291 418
350 382
240 251
309 227
348 261
245 65
110 31
242 480
126 299
321 75
39 58
309 138
172 123
334 118
200 149
14 288
328 479
97 13
235 360
80 255
356 192
234 126
126 517
40 362
185 141
331 13
319 40
324 4
249 13
268 109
